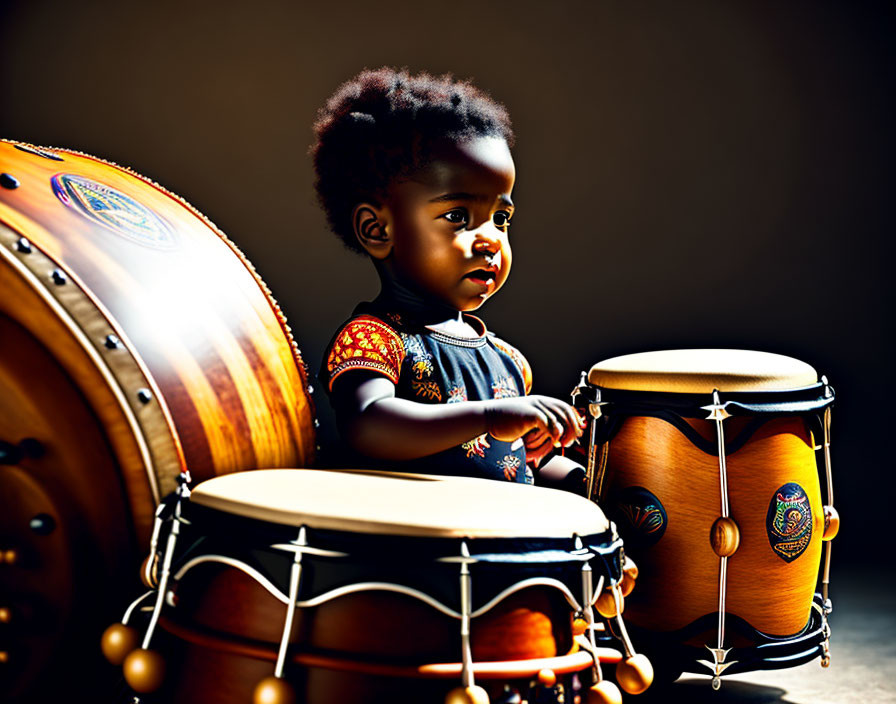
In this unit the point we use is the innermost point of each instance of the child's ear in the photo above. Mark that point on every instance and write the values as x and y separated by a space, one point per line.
371 228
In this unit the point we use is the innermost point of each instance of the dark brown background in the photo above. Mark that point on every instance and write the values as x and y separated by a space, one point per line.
689 174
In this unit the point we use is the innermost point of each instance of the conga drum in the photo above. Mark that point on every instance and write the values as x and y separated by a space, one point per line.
325 587
708 461
135 340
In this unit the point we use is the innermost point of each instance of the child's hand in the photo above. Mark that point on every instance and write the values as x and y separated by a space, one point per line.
546 422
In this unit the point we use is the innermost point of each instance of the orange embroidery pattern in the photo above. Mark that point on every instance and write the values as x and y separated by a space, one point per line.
476 446
427 389
366 343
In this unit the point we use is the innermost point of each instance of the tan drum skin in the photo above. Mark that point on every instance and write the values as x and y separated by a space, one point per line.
129 354
679 575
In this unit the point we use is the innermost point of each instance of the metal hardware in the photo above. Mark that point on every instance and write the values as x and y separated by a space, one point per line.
144 396
295 579
9 181
23 245
59 277
466 607
26 448
112 342
42 524
718 414
182 493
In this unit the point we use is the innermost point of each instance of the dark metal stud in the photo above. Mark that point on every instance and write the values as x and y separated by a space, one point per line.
316 423
59 277
144 395
23 245
112 342
9 181
43 524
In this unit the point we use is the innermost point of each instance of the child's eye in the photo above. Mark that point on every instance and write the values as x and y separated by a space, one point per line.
457 216
501 218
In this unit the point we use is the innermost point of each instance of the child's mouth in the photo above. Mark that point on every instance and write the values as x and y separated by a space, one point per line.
483 277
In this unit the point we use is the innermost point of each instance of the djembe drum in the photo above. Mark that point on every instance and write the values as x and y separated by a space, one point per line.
706 459
327 587
136 341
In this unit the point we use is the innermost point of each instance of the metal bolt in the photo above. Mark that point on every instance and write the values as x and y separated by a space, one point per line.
144 395
59 277
9 181
310 389
316 423
43 524
112 342
23 245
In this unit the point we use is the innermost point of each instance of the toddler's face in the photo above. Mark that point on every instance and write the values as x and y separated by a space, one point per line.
450 222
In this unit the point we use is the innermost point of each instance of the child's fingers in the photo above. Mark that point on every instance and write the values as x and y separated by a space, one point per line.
555 425
536 437
567 416
536 454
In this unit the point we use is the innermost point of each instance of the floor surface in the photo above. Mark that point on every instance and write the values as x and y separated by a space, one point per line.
863 659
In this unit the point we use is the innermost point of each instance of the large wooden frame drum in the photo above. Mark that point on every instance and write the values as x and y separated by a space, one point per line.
373 587
706 459
135 341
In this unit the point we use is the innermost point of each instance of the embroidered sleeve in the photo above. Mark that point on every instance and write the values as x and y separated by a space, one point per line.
518 360
365 343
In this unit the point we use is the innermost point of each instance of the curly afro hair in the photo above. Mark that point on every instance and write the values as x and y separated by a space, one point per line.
379 125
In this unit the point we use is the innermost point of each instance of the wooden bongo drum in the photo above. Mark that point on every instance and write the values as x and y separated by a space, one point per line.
706 460
136 341
328 587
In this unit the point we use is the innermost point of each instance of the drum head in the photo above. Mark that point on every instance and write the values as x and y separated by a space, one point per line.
702 371
401 504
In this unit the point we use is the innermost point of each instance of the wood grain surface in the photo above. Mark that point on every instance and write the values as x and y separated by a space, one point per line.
679 575
135 341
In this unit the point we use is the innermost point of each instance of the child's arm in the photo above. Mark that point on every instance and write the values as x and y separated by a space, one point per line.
379 425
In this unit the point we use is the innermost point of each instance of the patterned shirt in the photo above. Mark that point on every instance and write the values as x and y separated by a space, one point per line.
431 366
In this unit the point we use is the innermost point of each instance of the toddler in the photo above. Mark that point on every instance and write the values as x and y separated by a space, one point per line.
415 172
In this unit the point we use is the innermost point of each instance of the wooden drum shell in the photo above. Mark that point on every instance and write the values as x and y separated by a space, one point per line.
129 359
365 647
679 574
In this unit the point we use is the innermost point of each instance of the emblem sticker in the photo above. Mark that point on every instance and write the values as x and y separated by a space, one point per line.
641 516
114 210
789 522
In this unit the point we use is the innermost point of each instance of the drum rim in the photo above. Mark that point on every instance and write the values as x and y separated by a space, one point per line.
592 519
701 370
796 401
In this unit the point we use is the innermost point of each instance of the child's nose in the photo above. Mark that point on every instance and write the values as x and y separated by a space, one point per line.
486 243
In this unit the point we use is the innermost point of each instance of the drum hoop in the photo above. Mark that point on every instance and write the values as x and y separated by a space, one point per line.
774 402
122 367
261 534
